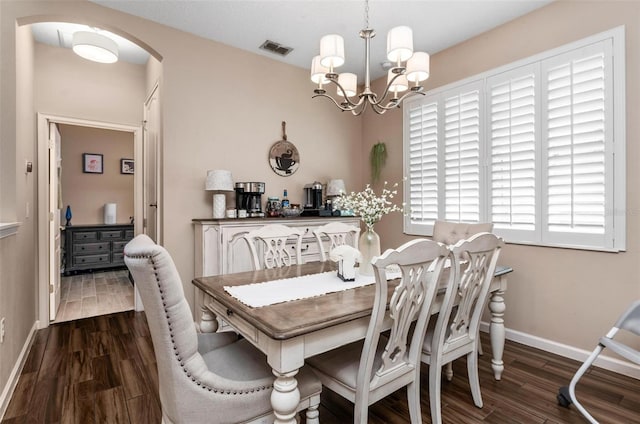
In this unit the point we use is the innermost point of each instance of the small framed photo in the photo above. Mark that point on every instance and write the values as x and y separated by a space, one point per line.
126 166
92 163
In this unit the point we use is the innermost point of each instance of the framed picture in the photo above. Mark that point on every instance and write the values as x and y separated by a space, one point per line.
92 163
126 166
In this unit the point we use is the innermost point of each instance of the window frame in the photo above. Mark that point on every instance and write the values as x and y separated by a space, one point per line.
614 238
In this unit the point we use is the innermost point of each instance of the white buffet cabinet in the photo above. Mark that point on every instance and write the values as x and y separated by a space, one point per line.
220 248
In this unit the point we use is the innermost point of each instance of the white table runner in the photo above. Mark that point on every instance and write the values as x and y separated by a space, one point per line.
285 290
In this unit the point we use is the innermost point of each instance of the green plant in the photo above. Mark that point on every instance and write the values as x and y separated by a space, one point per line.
377 159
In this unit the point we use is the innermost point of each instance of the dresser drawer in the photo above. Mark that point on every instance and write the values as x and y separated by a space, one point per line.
118 258
90 259
118 246
111 235
128 234
85 236
89 248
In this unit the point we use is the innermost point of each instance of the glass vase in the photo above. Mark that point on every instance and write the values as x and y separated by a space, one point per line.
369 245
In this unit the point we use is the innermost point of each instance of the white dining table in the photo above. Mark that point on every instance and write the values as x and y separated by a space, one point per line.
289 332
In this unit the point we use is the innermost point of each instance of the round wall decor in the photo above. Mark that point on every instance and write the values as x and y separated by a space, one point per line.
283 156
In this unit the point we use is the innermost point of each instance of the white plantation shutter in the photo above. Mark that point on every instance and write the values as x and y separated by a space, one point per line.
577 132
512 138
422 184
537 148
461 149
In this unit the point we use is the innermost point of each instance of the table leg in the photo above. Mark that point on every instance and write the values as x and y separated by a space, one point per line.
208 321
285 397
497 308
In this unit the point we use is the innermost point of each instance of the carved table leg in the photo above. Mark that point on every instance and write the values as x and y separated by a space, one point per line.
285 397
497 308
208 321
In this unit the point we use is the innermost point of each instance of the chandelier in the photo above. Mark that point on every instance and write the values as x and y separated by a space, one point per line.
408 70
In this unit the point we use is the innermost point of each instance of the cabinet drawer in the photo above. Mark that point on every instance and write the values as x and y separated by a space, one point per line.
91 259
118 246
111 235
85 236
118 258
88 248
128 234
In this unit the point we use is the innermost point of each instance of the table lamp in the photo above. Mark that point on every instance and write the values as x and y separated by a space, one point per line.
336 188
219 180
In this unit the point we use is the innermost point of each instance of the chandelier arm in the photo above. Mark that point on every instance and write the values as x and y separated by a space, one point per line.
396 103
342 108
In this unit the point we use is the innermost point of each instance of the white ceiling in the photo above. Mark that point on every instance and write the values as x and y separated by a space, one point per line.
246 24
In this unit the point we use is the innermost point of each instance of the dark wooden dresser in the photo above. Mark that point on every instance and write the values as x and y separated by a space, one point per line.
93 247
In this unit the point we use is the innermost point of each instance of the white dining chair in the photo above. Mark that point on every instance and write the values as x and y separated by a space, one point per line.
338 234
366 371
203 378
269 246
455 333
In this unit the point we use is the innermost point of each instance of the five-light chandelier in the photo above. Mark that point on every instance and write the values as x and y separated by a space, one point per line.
408 70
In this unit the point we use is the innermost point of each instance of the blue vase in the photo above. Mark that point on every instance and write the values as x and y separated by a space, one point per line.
68 216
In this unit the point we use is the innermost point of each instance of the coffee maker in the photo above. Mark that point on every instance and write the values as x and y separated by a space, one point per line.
249 198
312 199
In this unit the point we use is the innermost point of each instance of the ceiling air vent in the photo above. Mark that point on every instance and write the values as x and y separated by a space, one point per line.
277 48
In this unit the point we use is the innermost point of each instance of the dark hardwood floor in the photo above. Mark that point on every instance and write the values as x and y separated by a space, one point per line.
102 370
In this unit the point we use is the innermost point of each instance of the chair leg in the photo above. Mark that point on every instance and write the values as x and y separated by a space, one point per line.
474 380
313 415
413 398
435 374
448 371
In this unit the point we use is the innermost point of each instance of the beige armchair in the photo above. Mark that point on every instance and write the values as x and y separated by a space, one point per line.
367 371
203 378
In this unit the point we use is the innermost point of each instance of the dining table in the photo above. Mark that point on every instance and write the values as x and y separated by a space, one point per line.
289 332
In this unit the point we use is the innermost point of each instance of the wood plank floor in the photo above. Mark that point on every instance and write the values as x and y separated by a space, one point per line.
102 370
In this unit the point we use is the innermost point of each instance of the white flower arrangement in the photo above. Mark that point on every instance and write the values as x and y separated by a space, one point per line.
370 207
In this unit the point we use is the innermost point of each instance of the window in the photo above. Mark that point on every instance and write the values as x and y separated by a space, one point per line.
534 147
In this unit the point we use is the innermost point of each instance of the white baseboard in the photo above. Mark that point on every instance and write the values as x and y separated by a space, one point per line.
7 392
603 361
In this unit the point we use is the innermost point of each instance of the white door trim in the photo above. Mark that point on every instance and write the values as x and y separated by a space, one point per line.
43 196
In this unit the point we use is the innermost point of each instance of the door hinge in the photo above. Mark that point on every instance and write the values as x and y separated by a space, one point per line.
50 288
50 144
50 216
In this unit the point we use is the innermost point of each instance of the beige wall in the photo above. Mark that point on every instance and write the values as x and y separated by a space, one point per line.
87 193
563 295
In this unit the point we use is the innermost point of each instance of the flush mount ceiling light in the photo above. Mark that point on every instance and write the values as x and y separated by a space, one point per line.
94 46
408 70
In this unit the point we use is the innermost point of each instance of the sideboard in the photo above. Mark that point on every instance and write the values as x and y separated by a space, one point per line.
220 248
94 247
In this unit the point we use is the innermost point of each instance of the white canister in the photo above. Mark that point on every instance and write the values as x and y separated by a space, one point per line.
109 213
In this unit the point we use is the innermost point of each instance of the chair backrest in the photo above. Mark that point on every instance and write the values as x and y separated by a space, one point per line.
449 232
185 382
473 267
420 262
338 234
271 241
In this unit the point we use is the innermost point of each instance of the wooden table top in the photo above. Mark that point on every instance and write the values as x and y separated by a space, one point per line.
291 319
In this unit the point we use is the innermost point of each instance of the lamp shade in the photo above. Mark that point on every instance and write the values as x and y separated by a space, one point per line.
418 67
318 71
336 188
399 44
331 51
399 84
349 83
95 47
219 180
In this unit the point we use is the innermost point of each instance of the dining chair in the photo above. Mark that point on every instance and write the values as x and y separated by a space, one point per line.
451 232
203 377
366 371
271 241
456 331
338 234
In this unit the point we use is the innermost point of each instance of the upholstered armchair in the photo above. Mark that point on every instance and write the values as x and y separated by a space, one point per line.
203 378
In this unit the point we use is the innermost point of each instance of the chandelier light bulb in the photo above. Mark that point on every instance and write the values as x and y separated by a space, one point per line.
332 51
399 44
318 71
398 85
349 83
418 67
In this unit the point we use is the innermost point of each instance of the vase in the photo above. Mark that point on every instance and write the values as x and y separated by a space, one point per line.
369 245
68 216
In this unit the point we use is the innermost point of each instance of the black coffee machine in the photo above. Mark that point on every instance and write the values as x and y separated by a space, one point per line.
312 199
249 198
